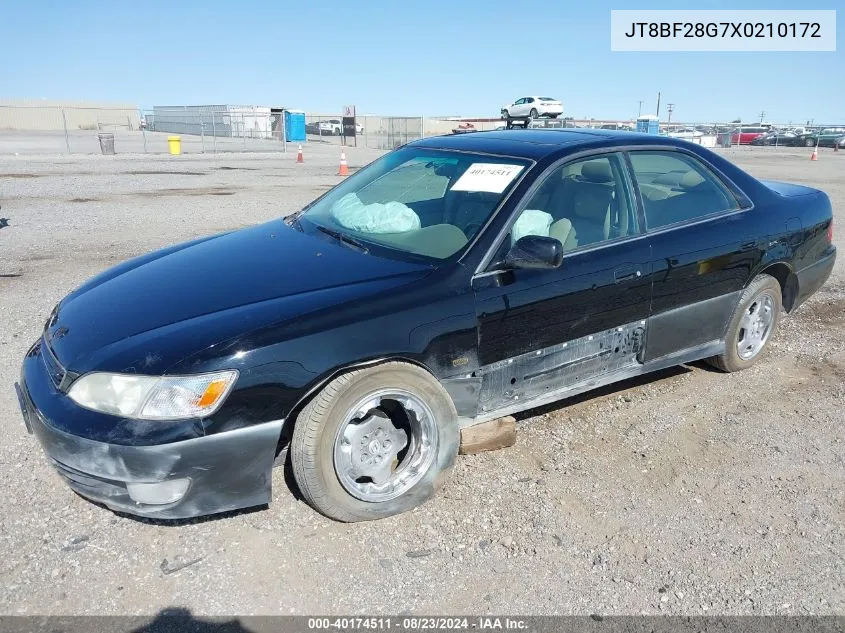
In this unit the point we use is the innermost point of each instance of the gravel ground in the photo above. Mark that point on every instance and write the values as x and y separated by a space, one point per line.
687 492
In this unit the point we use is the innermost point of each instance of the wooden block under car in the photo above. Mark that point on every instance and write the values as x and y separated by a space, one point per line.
488 436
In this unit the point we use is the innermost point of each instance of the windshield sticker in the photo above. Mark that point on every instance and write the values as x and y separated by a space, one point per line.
491 177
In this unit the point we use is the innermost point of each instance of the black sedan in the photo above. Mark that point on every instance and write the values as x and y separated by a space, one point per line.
782 139
455 280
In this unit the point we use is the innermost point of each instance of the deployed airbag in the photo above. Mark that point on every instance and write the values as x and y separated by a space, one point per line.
531 222
389 217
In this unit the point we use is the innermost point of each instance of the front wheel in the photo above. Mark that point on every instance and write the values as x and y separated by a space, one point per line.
534 114
808 142
374 442
752 325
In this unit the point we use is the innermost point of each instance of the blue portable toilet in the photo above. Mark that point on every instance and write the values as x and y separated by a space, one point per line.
648 124
294 125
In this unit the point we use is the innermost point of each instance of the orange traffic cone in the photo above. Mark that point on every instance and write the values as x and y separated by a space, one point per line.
344 168
299 155
815 154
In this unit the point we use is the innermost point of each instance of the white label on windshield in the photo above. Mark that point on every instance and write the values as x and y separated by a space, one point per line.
491 177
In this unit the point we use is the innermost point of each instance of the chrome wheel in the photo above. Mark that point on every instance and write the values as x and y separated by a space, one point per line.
385 445
755 326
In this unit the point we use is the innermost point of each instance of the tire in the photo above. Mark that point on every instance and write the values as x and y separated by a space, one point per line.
321 440
752 302
534 114
506 115
808 142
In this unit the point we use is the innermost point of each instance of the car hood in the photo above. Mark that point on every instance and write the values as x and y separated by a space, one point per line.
215 280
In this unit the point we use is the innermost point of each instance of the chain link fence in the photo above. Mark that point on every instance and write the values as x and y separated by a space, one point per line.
65 130
205 129
34 129
372 132
214 128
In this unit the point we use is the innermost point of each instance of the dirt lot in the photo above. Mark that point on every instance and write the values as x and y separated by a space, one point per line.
688 492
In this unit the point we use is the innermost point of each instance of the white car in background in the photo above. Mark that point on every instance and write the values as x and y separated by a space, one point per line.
334 127
685 132
533 108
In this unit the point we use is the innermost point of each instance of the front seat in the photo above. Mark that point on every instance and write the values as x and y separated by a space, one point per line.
591 202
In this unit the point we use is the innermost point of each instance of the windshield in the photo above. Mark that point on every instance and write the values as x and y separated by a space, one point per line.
416 200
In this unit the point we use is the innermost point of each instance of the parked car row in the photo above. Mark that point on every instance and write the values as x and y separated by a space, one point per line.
794 137
828 137
545 112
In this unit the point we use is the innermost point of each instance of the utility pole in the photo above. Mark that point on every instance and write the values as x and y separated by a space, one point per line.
640 110
669 108
657 113
762 116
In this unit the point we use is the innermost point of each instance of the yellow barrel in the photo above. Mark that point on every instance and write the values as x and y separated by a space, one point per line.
174 144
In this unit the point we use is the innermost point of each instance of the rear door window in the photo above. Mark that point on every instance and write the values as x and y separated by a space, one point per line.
676 187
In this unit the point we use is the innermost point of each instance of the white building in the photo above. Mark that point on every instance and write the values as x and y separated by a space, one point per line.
213 120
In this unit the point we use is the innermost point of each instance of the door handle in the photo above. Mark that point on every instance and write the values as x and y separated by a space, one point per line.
626 272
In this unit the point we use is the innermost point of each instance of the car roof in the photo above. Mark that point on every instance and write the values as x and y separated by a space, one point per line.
536 144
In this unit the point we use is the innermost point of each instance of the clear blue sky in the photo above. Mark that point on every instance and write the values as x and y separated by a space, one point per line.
432 57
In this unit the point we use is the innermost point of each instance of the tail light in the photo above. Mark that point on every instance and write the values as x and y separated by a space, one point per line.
830 231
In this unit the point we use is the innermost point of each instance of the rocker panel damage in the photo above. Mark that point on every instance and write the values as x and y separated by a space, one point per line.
527 376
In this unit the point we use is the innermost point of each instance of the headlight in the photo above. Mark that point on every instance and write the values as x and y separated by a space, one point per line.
153 397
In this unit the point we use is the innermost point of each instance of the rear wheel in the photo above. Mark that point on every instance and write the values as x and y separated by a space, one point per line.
808 142
534 114
752 325
374 442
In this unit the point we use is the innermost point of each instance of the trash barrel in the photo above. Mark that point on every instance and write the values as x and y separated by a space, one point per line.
174 144
106 143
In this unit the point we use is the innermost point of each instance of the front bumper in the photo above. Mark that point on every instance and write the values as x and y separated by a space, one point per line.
225 471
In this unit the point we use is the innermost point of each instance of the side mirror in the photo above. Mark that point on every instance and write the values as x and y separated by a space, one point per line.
535 252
